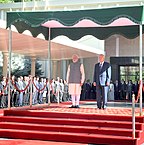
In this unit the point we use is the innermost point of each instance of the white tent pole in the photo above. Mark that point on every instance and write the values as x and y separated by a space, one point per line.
140 66
133 116
22 5
9 68
49 65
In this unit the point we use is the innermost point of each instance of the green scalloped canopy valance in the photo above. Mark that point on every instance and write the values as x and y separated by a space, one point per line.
32 21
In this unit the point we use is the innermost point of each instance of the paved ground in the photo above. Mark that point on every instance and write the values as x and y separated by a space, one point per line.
90 107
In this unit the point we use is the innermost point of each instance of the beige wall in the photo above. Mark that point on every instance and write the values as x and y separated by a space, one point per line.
127 47
89 67
110 47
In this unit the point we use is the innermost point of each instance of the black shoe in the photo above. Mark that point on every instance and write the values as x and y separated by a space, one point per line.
104 108
99 107
77 106
72 106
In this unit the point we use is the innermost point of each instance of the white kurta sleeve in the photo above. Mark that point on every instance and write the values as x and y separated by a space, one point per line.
82 73
68 73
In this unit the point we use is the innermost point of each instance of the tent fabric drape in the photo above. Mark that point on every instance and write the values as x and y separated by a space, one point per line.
33 21
35 31
69 18
101 33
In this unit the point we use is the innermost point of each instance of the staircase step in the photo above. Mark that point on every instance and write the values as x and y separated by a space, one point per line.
74 122
68 128
67 137
46 114
74 127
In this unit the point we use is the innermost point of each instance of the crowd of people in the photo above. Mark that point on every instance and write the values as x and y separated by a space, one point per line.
117 90
20 90
22 87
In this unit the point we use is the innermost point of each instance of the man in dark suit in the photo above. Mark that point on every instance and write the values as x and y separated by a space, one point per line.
117 90
101 79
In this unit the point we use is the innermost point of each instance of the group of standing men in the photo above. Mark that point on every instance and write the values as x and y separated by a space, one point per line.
101 79
75 79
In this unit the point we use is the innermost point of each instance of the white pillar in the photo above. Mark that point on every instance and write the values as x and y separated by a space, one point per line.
34 5
64 69
5 63
2 15
46 3
81 60
23 5
58 69
117 46
33 62
54 66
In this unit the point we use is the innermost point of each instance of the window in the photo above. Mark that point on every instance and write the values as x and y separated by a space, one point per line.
129 73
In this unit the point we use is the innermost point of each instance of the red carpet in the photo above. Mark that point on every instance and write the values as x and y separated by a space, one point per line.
62 124
33 142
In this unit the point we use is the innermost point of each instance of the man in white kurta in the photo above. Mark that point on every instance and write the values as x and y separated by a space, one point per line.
75 79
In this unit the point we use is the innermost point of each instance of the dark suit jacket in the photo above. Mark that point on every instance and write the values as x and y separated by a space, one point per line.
102 76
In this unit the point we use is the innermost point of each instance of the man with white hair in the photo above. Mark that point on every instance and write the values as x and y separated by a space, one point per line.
101 79
75 79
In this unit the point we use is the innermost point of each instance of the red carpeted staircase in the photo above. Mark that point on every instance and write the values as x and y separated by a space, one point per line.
71 127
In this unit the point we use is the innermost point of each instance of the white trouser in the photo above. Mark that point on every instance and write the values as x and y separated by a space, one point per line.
75 99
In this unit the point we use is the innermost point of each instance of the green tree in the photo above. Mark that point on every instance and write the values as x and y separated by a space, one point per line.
10 1
38 69
26 70
22 0
5 1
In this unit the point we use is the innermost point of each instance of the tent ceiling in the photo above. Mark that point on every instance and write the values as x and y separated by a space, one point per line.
35 47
